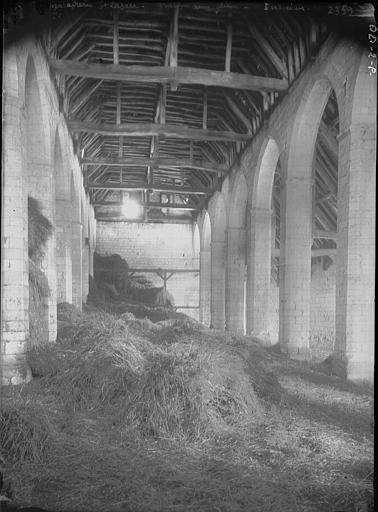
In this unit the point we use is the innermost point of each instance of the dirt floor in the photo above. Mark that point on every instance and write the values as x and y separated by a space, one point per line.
171 416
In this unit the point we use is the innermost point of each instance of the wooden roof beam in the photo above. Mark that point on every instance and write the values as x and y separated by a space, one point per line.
149 204
150 129
154 188
162 162
168 75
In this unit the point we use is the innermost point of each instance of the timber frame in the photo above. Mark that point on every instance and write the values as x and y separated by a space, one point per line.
162 99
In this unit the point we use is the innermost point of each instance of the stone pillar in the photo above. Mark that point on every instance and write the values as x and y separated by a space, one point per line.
77 237
258 286
63 252
295 266
205 286
218 284
355 270
85 272
14 263
235 279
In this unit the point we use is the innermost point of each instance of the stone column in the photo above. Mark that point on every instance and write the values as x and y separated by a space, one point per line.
77 237
63 252
258 286
205 286
235 279
14 263
355 270
295 266
218 284
85 272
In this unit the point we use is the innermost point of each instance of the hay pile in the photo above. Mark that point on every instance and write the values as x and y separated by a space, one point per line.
172 380
39 231
159 380
128 415
112 283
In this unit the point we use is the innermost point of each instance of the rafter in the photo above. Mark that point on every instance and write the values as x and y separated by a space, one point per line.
167 74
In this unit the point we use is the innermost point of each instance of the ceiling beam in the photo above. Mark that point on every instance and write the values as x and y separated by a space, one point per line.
156 162
151 129
173 206
164 220
155 188
168 74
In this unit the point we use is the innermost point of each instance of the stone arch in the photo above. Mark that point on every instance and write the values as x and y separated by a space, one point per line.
218 261
236 256
296 221
62 221
205 269
259 269
38 178
76 243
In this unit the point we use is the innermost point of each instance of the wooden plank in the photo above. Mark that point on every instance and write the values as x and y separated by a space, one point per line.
227 64
155 188
150 129
167 74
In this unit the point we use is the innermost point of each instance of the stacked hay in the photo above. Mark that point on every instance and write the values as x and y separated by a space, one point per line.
111 273
39 231
152 384
112 283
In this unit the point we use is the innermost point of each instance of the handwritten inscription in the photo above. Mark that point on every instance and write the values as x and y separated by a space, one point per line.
372 38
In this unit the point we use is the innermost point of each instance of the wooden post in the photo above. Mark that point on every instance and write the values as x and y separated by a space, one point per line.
204 116
228 49
174 45
115 39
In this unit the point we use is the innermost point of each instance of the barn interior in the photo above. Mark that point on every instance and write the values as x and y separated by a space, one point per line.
188 256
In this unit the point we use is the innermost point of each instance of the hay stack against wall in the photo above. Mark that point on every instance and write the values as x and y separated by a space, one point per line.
111 275
39 231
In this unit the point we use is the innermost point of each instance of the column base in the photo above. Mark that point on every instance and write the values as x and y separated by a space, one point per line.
14 370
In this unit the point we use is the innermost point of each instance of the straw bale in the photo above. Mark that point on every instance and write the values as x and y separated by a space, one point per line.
39 230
